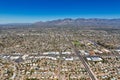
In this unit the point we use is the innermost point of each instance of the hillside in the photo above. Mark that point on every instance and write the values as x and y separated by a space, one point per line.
68 22
80 22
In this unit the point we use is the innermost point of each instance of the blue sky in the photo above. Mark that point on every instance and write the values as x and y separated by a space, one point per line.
25 11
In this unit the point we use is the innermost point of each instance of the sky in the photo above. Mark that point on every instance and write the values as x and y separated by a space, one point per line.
30 11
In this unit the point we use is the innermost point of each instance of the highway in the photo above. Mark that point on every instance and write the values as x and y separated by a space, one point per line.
92 75
90 72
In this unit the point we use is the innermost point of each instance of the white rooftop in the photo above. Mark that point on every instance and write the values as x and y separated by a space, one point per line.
94 58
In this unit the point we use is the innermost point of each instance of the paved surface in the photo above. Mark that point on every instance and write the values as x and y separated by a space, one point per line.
91 74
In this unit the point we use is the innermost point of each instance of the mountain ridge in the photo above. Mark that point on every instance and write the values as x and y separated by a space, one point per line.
81 22
69 22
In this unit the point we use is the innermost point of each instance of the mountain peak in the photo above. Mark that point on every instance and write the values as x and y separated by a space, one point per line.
92 22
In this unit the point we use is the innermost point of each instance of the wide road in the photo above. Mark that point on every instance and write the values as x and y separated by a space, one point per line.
91 74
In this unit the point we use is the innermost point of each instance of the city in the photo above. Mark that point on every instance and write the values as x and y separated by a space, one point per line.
57 54
59 39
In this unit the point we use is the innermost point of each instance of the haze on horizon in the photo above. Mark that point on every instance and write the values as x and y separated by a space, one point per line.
29 11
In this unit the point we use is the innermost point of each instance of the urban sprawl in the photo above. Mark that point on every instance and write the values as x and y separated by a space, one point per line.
59 54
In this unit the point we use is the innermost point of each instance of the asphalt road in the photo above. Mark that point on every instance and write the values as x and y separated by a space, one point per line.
91 74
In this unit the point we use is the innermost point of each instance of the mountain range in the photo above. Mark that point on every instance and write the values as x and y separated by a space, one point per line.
81 22
68 22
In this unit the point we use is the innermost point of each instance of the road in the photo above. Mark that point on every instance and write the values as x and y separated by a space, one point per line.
91 74
14 74
102 56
